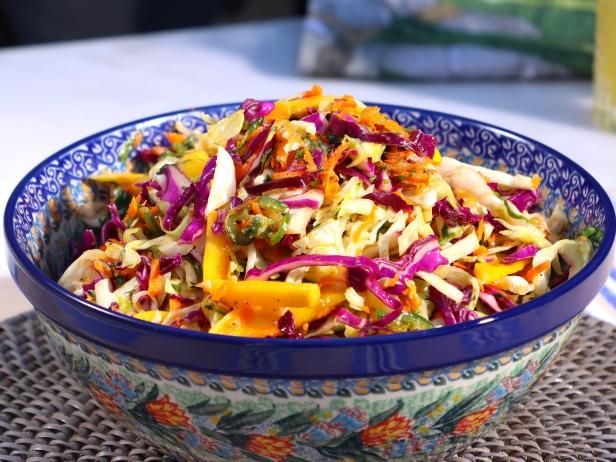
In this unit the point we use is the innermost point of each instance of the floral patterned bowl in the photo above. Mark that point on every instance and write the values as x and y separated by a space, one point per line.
418 396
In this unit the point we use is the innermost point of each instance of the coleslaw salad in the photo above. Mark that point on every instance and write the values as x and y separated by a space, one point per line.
316 216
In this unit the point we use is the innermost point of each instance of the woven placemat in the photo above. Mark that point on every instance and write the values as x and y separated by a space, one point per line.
46 416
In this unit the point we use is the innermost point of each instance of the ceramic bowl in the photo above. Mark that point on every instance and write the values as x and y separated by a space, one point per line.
417 396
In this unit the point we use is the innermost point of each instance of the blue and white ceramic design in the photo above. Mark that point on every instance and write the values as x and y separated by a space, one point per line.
416 396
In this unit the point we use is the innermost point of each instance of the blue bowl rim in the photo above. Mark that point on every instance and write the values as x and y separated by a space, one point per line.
600 255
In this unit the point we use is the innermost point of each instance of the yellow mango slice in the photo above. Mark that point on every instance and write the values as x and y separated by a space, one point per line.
437 157
490 272
331 299
258 306
120 178
216 257
285 109
192 163
261 322
271 294
247 321
156 316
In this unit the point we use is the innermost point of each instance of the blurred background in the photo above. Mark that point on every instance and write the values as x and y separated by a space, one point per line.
378 39
41 21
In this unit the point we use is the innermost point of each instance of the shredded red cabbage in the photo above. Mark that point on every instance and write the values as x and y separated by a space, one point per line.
390 199
489 218
175 183
490 295
423 255
367 167
87 242
353 172
115 217
490 301
231 145
257 143
383 183
452 216
522 253
202 193
192 232
302 201
88 286
182 299
346 317
287 264
318 120
254 109
289 239
524 200
362 272
293 182
168 264
317 156
287 327
452 312
147 155
143 273
419 142
107 229
176 206
217 226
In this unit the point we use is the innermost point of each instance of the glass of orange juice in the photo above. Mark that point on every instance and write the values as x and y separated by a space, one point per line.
604 107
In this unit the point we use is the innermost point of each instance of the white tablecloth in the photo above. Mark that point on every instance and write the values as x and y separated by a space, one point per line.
52 95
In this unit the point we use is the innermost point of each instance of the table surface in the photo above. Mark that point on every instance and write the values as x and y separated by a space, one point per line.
52 95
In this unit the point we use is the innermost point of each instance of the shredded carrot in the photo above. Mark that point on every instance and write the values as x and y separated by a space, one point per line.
461 265
324 312
316 90
256 210
138 139
410 300
391 281
133 207
155 282
102 268
402 196
285 135
481 251
480 230
536 180
373 118
175 304
292 173
154 210
173 137
346 105
158 150
531 273
328 177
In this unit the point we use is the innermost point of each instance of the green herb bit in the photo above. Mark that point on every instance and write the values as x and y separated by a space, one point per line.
410 322
252 126
512 213
122 201
593 234
127 148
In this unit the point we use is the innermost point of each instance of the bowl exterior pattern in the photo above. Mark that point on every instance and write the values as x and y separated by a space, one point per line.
46 220
203 416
